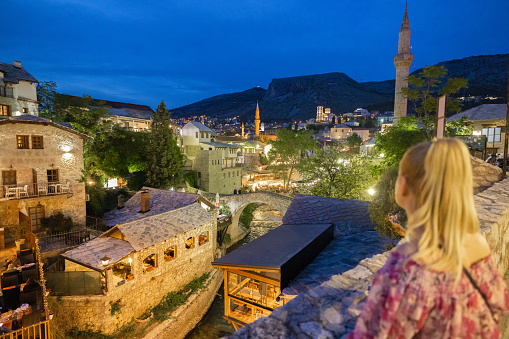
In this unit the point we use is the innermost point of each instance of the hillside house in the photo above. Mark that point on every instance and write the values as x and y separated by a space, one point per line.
158 243
41 164
18 91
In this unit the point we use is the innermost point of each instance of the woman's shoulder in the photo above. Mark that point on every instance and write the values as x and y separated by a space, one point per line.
476 249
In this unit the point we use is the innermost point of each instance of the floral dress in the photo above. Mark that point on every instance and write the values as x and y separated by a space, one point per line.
408 300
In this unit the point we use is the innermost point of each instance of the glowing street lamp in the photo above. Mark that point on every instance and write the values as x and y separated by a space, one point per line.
382 155
371 191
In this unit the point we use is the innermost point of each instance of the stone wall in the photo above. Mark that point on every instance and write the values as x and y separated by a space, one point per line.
331 309
63 150
212 176
17 106
147 288
484 174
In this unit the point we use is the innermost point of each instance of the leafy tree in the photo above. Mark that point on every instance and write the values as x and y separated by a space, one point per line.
164 159
46 91
424 89
354 141
337 175
458 127
369 123
288 151
191 177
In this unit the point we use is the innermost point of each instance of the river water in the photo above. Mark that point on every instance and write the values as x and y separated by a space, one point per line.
265 218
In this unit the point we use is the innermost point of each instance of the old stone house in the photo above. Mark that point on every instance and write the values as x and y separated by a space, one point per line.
18 91
215 162
159 242
41 164
488 120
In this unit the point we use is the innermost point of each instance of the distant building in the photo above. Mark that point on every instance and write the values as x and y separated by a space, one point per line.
386 118
340 132
319 114
361 112
215 162
18 91
364 133
402 62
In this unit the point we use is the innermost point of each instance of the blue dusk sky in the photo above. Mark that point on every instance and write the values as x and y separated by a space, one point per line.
186 50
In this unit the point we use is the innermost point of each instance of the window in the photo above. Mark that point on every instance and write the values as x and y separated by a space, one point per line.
22 141
52 175
150 262
126 124
5 110
199 174
25 110
201 135
190 243
170 253
121 270
197 134
9 177
491 133
203 238
36 214
37 142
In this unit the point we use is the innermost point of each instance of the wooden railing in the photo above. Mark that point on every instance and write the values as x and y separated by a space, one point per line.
71 238
40 330
28 190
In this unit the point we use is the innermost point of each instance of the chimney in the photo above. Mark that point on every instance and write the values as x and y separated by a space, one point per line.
145 201
17 64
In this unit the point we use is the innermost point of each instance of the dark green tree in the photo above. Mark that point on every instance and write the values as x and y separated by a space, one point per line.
354 141
46 91
164 158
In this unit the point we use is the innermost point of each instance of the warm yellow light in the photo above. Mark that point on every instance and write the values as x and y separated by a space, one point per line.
371 191
382 155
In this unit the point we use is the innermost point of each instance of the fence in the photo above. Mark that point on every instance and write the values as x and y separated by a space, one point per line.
40 330
64 239
74 283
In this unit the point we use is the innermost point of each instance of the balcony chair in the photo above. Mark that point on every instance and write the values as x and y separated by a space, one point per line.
24 191
42 189
29 272
11 192
65 187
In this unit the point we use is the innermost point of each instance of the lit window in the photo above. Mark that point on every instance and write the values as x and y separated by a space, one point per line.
203 238
492 133
150 262
5 110
52 175
25 110
190 243
37 142
170 253
23 141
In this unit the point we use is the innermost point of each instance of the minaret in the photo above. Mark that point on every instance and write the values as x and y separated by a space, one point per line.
257 120
402 61
242 129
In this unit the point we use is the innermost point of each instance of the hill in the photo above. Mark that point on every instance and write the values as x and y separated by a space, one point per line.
296 98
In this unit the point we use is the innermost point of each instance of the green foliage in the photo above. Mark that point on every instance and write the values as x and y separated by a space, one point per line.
96 206
57 223
247 214
397 139
46 91
263 159
354 141
336 175
115 308
191 177
164 159
458 127
77 333
288 151
369 123
384 204
136 180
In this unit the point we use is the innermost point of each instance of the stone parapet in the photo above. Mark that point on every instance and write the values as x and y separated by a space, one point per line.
331 309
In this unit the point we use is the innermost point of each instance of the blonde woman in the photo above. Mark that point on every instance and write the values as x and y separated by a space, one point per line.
442 282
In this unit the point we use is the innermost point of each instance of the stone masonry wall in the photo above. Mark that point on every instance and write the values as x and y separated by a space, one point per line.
331 309
484 174
147 288
62 150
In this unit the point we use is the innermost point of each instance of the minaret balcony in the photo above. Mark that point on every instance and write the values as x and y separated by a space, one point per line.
403 59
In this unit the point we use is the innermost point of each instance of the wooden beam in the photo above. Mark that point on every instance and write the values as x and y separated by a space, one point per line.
250 303
257 277
226 299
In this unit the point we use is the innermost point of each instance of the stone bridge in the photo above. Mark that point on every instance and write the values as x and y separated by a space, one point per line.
236 204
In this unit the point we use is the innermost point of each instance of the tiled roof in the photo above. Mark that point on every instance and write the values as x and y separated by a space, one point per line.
227 138
32 119
160 201
483 112
222 144
148 231
348 216
14 74
91 252
342 126
200 126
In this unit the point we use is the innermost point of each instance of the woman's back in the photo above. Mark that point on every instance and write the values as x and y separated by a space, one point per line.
408 300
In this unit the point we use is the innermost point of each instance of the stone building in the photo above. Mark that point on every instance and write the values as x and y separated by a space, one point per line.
215 162
159 242
402 62
488 120
41 164
340 132
18 91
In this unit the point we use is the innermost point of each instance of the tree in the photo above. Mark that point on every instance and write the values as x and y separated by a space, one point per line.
46 91
333 120
354 141
164 159
336 175
287 152
423 91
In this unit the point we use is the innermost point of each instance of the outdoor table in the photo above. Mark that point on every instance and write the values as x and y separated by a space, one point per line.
56 187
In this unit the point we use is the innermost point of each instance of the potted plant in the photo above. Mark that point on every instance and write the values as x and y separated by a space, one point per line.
130 277
20 232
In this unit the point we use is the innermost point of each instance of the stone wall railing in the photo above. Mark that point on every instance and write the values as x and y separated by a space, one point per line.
331 309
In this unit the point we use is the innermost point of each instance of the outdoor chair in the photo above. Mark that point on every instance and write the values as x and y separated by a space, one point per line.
27 258
11 297
42 189
29 272
26 246
24 191
32 298
11 192
10 279
65 187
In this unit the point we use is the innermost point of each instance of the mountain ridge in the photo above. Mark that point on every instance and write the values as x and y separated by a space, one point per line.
297 97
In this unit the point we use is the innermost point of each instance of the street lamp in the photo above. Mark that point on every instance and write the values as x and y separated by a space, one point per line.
371 191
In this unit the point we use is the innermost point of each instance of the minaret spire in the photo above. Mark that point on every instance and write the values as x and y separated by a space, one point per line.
257 120
242 129
402 62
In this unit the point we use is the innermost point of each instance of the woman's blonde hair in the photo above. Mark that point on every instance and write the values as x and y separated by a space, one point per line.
439 174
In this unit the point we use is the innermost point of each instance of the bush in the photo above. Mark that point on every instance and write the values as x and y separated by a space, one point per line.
57 223
95 206
191 178
137 180
247 214
384 205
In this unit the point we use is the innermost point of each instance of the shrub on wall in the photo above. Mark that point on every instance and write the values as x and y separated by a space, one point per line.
57 223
